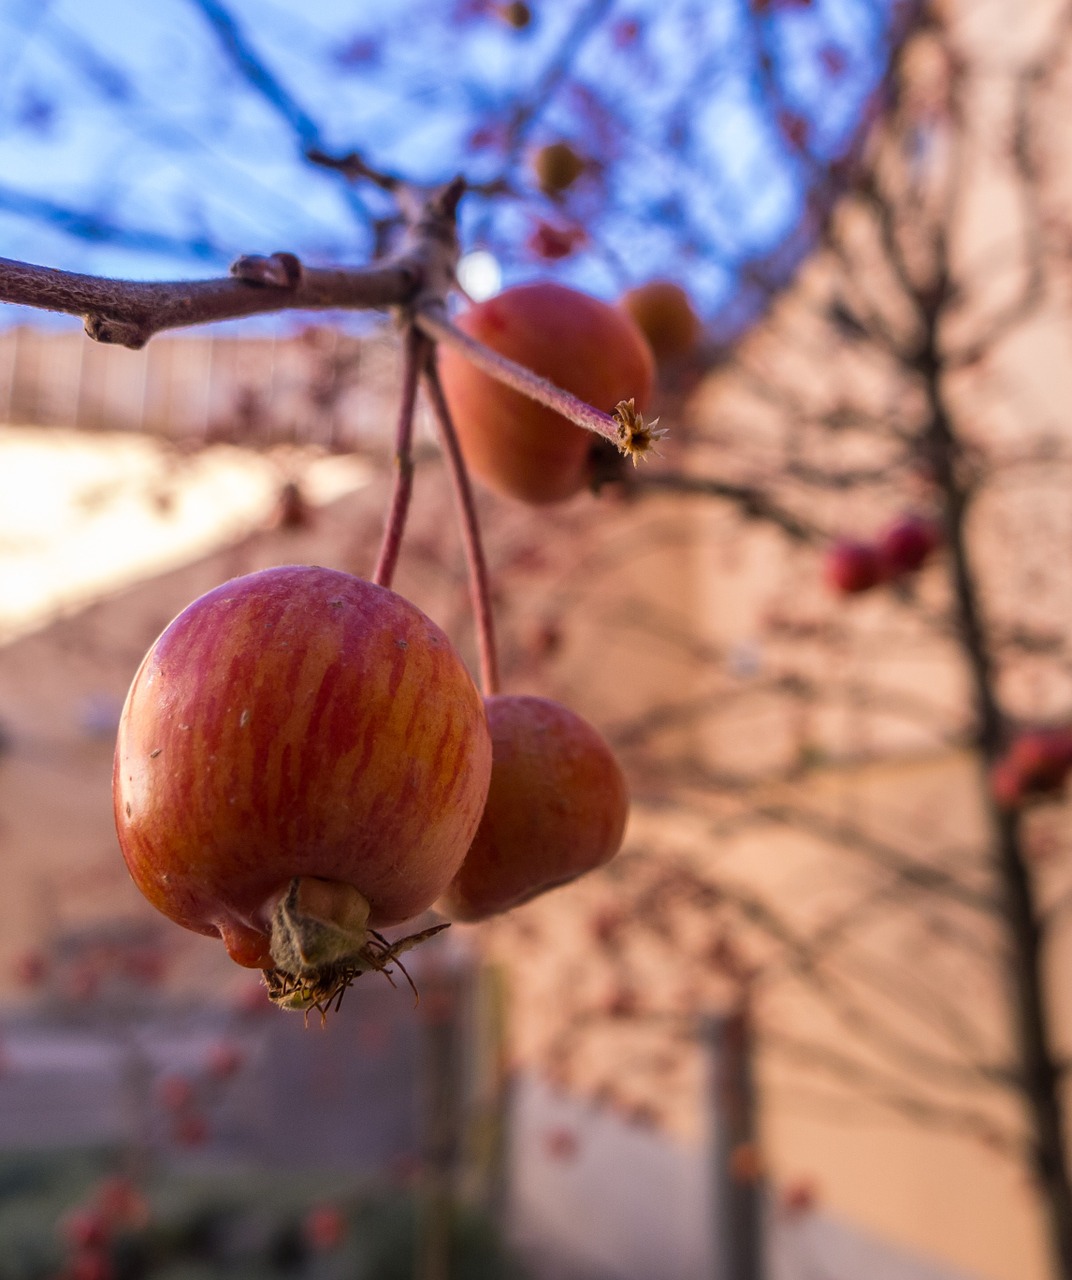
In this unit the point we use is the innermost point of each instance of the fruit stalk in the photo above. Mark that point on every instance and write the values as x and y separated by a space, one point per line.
414 354
479 586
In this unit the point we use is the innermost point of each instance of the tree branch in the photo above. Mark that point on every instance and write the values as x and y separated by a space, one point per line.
129 312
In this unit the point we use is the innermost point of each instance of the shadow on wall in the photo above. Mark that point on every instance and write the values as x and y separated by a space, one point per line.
596 1198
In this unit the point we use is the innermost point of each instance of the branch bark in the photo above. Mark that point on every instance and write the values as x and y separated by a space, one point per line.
130 312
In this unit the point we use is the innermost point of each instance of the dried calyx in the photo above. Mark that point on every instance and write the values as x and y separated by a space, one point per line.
321 942
635 436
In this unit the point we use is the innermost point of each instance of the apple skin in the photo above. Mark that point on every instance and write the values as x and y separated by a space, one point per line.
853 567
664 313
514 445
297 722
556 809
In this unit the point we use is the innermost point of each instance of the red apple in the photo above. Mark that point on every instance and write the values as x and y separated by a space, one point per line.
665 315
906 545
556 808
1037 762
324 1227
298 736
852 567
514 445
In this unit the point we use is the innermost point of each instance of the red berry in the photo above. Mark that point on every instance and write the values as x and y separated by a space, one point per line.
31 968
89 1264
905 546
120 1202
852 567
561 1143
556 808
176 1093
552 243
799 1197
86 1229
324 1227
1043 757
1006 784
585 346
191 1130
225 1061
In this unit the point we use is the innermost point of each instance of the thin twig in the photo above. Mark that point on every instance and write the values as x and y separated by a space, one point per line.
414 354
753 503
479 585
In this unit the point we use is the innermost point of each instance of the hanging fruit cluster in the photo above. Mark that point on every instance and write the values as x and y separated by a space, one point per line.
303 759
853 566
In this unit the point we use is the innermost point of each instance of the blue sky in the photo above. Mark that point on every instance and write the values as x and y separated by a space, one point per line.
125 117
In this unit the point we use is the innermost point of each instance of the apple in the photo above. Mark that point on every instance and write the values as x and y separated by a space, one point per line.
514 445
665 316
299 745
556 167
851 567
556 808
907 544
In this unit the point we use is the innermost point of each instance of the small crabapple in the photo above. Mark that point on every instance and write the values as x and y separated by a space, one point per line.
666 317
595 351
556 808
852 567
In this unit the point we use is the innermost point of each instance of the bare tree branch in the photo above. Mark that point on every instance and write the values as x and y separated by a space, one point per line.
128 312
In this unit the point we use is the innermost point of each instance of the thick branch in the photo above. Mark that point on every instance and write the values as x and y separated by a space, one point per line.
1039 1073
129 312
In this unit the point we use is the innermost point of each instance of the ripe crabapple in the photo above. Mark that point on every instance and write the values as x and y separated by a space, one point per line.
556 808
516 14
1037 762
324 1227
302 760
666 317
513 444
852 567
556 167
907 544
225 1060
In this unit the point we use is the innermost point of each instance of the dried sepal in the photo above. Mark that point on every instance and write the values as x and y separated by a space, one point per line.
323 989
321 943
635 436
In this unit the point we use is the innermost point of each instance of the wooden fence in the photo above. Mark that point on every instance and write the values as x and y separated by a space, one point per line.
319 387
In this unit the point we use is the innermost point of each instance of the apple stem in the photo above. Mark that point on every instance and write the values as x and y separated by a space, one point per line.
479 585
414 353
625 428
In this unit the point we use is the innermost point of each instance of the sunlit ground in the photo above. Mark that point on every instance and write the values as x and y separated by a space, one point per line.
82 515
